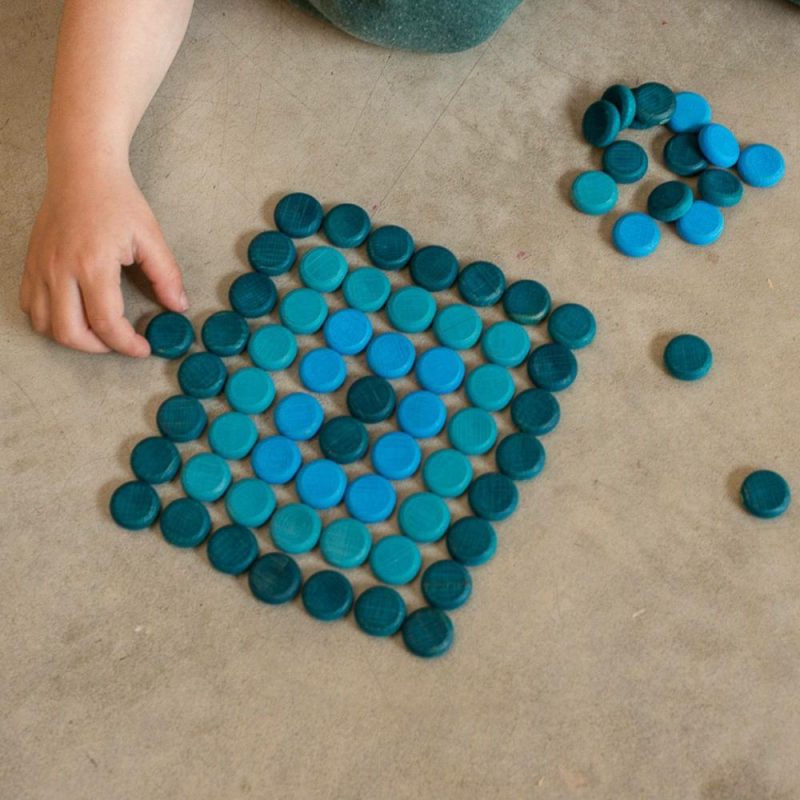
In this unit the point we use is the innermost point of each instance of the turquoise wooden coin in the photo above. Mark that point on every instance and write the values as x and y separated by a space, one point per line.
655 104
391 355
303 310
348 331
490 387
594 192
447 473
370 498
493 496
185 522
346 225
535 411
761 165
327 595
170 334
253 295
202 375
481 283
366 289
552 367
458 326
421 414
411 309
232 435
471 541
702 224
682 155
271 253
275 578
232 549
520 456
688 357
276 459
506 343
250 502
446 584
321 484
345 543
622 98
692 112
181 418
371 399
718 145
390 247
343 440
601 123
298 215
298 416
322 370
206 477
440 370
669 201
766 494
155 460
434 268
272 347
625 161
473 431
225 333
720 188
135 505
424 517
295 528
428 632
250 390
380 611
572 325
396 456
395 560
323 269
526 302
636 235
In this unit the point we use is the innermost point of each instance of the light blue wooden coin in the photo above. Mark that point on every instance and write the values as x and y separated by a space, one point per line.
253 295
440 370
346 225
688 357
202 375
303 311
276 459
323 269
380 611
225 333
447 473
458 326
322 370
135 505
520 456
446 584
552 367
535 411
622 98
250 502
155 460
692 112
718 145
526 302
295 528
636 235
232 549
473 431
702 224
428 632
271 253
181 418
396 455
594 192
170 334
370 498
185 522
206 477
298 215
490 387
275 578
395 560
390 247
481 283
272 347
366 289
719 187
345 543
348 331
250 390
421 414
471 541
424 517
493 496
327 595
572 325
761 165
321 484
601 123
411 309
766 494
391 355
506 343
232 435
298 416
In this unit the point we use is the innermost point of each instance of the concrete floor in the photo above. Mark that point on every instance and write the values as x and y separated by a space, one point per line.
637 634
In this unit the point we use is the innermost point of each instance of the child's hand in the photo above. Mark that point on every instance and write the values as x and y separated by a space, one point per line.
92 222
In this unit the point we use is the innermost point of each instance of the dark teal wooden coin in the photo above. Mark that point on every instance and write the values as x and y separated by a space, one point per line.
572 325
766 494
428 632
446 584
601 123
232 549
526 302
346 225
380 611
720 187
481 283
688 357
181 418
625 161
185 522
493 496
253 295
471 541
390 247
170 334
682 155
225 333
272 253
327 595
371 399
655 104
202 375
155 460
669 201
535 411
343 440
298 215
520 456
434 268
552 367
622 98
275 578
135 505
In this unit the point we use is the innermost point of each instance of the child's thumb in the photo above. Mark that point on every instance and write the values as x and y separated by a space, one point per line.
162 270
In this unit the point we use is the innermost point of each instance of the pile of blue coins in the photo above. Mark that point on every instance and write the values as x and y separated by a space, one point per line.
699 147
381 351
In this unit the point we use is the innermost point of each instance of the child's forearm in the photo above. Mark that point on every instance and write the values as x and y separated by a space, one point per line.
112 56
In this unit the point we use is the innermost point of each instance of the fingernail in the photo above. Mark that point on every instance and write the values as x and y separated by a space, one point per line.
184 301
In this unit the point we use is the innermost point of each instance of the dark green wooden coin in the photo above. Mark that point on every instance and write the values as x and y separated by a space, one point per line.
346 225
275 578
481 283
181 418
446 584
380 611
185 522
720 187
572 325
371 399
298 215
601 123
682 155
343 440
170 334
655 105
225 333
621 97
428 632
434 268
253 295
471 541
390 247
327 595
535 411
520 456
493 496
526 302
552 367
135 505
272 253
669 201
202 375
232 549
625 161
155 460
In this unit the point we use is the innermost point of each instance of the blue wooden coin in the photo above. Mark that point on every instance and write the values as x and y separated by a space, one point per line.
526 302
421 414
232 435
688 357
718 145
253 295
458 326
702 224
390 247
225 333
493 496
636 235
572 325
594 192
295 528
371 399
395 560
170 334
135 505
298 416
250 502
692 112
473 431
761 165
601 123
446 584
275 578
327 595
720 188
766 494
424 517
625 161
370 498
428 632
669 201
321 483
655 104
323 269
155 460
506 343
276 459
303 310
181 418
535 411
202 375
682 155
396 455
322 370
347 225
481 283
298 215
380 611
552 367
206 477
250 390
447 473
391 355
343 440
272 347
471 541
434 268
271 253
490 387
366 289
232 549
411 309
440 370
348 331
345 543
520 456
185 522
622 98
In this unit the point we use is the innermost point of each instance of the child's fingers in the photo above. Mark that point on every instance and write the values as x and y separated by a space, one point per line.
39 309
163 272
68 322
25 293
